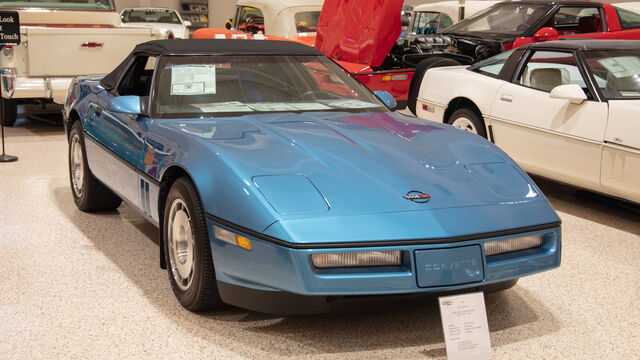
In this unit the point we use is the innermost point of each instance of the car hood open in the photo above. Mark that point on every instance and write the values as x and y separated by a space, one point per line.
359 31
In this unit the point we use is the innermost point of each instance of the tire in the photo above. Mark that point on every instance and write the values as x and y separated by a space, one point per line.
10 112
416 81
468 120
187 249
89 194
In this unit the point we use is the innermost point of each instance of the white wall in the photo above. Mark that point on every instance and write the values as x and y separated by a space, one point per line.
220 11
171 4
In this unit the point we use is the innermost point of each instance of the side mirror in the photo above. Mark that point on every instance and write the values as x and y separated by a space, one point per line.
546 34
387 99
571 92
129 104
187 23
228 25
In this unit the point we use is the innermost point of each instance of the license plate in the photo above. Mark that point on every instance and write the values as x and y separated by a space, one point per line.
455 266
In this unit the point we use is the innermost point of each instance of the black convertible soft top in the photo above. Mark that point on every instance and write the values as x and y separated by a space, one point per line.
195 47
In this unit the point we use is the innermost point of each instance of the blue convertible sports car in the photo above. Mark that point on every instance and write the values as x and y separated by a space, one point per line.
281 184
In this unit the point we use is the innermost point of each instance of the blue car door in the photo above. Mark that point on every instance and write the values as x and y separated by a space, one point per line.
121 137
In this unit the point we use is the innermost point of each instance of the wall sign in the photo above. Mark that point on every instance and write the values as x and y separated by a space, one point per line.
466 331
9 28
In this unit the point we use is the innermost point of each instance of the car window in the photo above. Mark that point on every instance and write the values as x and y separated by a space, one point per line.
151 16
617 72
547 69
137 79
430 22
195 86
250 19
493 65
571 20
628 19
509 18
306 21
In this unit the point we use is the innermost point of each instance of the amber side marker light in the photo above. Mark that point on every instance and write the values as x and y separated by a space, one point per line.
232 238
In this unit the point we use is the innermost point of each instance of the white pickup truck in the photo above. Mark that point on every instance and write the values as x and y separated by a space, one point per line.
59 40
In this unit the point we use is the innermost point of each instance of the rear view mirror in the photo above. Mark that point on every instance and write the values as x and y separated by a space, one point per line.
546 34
571 92
129 104
387 99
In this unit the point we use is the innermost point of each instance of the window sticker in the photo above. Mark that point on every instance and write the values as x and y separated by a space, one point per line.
310 106
622 66
272 107
229 106
350 104
193 79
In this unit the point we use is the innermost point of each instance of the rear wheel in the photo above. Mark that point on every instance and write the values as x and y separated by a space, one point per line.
187 249
468 120
89 194
416 81
10 112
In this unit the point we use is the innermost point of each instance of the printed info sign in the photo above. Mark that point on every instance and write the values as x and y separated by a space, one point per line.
9 28
466 330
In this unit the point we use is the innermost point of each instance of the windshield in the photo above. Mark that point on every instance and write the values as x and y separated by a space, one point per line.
58 4
617 72
150 15
198 86
307 21
505 18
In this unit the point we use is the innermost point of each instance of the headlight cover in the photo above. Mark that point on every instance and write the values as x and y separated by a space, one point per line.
357 259
513 244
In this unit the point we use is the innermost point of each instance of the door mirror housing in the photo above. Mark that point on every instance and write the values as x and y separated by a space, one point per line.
187 23
129 104
546 34
571 92
387 99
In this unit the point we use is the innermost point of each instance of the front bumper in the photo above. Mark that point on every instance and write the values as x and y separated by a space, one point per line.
272 273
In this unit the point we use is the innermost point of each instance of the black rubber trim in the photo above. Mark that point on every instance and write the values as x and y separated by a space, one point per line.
277 241
286 303
146 176
383 72
491 134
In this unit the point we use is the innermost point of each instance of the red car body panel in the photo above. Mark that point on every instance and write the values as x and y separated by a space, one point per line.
359 31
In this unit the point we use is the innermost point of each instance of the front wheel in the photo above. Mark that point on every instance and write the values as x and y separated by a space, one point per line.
421 69
468 120
187 249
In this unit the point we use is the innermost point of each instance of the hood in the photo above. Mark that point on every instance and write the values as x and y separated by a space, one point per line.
359 31
343 164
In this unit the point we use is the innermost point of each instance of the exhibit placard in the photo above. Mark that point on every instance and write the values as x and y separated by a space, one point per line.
465 326
9 28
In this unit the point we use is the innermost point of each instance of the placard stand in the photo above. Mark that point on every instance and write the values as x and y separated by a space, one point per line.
9 35
4 157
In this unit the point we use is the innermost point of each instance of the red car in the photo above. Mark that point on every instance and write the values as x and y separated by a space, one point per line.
364 36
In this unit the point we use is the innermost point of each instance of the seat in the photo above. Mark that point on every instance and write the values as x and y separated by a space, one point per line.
589 24
546 79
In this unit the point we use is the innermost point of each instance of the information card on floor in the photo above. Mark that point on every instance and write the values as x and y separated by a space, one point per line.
466 331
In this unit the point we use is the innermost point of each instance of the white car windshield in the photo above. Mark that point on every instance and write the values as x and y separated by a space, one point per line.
57 4
617 72
504 18
198 86
150 16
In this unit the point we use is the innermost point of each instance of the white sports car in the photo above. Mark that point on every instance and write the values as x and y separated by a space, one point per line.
566 110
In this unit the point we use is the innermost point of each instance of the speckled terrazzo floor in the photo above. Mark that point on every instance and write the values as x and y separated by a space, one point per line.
77 285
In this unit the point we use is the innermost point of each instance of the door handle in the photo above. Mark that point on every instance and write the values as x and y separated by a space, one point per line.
506 98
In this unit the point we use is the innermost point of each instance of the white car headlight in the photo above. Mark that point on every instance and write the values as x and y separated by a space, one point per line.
355 259
513 244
